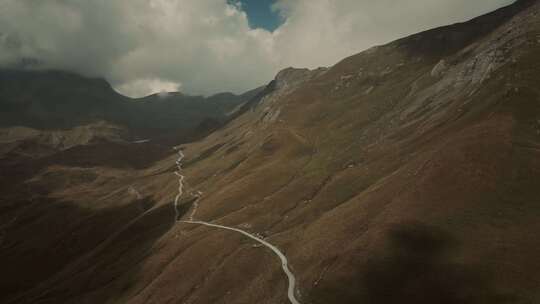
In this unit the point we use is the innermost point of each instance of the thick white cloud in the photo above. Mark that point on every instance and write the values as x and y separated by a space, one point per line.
322 32
145 86
206 46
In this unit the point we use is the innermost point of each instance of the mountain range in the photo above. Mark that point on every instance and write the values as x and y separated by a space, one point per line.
62 100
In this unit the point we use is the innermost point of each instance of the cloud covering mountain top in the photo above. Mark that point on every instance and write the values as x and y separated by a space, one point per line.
207 46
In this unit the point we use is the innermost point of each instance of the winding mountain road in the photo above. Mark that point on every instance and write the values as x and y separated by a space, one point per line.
282 257
142 141
180 183
284 262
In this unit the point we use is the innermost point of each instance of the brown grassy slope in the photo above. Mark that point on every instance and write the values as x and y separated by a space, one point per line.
405 174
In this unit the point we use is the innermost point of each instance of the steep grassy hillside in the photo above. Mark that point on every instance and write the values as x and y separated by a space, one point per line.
408 173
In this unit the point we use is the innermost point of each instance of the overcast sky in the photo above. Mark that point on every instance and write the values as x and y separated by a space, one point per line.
208 46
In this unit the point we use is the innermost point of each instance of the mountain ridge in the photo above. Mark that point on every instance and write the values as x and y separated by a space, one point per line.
61 100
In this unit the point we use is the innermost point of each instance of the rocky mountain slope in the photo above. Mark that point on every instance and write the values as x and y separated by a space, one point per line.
408 173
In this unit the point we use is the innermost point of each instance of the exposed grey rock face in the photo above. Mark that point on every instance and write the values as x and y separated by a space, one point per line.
286 81
439 68
460 79
290 78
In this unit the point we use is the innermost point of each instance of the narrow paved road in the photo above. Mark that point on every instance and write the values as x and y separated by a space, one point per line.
180 183
284 262
282 257
142 141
